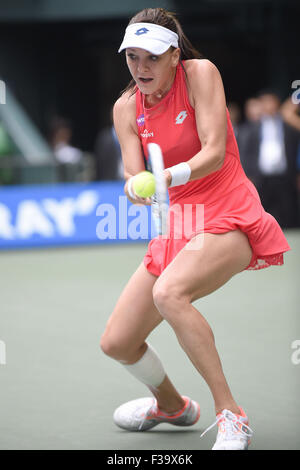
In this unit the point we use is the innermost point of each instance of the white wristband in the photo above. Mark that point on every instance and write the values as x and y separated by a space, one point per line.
180 174
129 188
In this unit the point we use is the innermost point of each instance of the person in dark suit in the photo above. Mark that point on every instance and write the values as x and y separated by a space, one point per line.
252 114
268 149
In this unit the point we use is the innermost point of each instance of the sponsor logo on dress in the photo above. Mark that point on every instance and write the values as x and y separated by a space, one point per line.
146 134
181 117
140 120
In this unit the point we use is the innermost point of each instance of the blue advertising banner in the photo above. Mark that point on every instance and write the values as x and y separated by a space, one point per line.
73 213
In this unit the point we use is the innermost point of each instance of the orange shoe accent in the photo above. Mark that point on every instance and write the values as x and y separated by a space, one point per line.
172 416
239 424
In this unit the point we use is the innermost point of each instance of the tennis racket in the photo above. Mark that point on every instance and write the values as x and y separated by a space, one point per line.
159 205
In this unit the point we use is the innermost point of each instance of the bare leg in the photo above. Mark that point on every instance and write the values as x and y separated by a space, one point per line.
168 399
198 343
195 274
132 320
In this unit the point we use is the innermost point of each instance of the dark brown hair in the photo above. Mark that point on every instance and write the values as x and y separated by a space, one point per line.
167 19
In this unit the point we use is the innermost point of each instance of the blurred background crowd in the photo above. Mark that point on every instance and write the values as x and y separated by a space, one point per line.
60 75
268 137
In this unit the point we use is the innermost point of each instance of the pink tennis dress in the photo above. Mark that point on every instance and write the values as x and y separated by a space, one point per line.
223 201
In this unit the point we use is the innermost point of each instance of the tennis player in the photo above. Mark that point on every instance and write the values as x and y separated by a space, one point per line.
176 99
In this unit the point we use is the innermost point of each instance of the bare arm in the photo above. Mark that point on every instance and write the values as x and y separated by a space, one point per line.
124 116
206 89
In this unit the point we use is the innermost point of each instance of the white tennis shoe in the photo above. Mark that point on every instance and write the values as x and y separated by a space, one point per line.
233 431
143 414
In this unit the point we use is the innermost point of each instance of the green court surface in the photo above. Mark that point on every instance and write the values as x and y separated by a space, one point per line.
58 390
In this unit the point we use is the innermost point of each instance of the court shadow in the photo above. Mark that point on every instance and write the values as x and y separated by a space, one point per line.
176 431
161 431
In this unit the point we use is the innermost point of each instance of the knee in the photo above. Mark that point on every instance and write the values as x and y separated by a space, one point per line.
169 298
111 346
120 348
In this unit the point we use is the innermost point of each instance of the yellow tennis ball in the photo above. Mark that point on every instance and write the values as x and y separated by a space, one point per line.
144 184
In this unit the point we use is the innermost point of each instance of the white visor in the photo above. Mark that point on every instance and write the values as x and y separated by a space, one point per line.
151 37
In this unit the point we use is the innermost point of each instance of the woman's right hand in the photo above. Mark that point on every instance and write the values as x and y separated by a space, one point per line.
124 113
145 201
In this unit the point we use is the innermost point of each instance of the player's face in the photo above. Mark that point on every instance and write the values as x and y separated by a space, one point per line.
152 73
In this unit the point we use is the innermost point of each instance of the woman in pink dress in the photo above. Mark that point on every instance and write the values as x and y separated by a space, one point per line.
176 99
